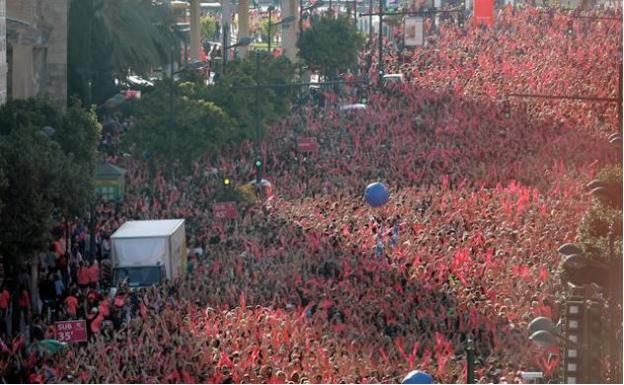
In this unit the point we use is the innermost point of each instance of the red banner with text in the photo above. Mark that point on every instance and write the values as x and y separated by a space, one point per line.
306 144
484 12
71 331
225 210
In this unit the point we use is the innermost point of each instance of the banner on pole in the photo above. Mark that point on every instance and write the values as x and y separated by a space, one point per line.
71 331
484 12
131 94
225 210
413 32
306 144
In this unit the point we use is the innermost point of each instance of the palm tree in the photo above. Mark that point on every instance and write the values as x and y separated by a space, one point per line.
243 23
110 39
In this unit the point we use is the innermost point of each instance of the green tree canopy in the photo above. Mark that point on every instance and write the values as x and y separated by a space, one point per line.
44 174
264 29
110 39
600 230
240 104
174 123
187 120
331 44
34 184
209 28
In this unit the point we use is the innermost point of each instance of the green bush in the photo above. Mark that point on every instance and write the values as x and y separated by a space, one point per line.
600 230
243 195
331 44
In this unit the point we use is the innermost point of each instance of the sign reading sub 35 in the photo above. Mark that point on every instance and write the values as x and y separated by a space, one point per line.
71 331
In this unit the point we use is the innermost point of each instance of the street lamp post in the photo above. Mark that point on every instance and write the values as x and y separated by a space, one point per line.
242 42
381 66
300 17
224 44
257 146
271 8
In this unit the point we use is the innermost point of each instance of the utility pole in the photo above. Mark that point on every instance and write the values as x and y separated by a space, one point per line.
300 18
470 364
269 30
381 66
225 25
370 22
258 160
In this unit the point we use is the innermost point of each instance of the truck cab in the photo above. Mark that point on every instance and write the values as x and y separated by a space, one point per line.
139 276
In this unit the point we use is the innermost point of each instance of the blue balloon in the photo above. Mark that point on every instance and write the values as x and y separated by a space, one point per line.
417 377
376 194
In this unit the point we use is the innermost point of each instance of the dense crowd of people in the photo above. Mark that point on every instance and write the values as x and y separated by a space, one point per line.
313 285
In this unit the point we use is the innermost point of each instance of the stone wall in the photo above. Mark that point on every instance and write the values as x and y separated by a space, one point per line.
37 36
54 15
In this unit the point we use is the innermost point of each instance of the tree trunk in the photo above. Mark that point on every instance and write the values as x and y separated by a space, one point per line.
66 236
289 35
243 24
195 30
34 284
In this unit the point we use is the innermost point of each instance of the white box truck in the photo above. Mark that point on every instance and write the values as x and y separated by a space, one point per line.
147 252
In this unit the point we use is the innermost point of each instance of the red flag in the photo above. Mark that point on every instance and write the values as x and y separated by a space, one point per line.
384 355
225 360
17 344
412 356
484 12
543 274
398 342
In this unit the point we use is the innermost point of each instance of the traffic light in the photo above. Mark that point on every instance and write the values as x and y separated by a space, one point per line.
258 170
570 29
226 182
461 20
506 109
